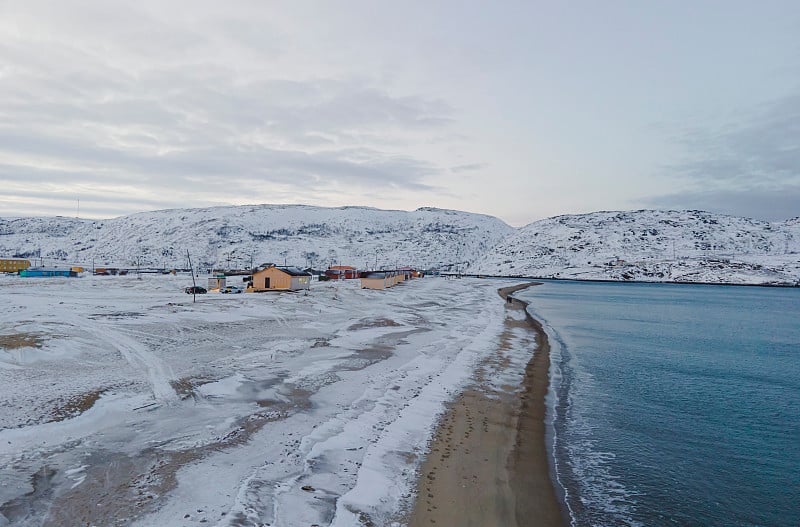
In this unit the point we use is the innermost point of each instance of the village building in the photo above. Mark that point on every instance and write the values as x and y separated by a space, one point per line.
40 272
280 279
106 271
13 265
410 272
216 283
341 272
379 279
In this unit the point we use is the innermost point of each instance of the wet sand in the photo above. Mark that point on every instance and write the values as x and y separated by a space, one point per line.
488 464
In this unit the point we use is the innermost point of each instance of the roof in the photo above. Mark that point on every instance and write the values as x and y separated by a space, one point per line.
293 271
342 267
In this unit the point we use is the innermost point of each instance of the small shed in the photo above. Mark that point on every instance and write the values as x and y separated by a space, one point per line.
216 283
280 279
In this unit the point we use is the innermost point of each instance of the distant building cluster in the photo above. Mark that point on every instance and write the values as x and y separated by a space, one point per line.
267 277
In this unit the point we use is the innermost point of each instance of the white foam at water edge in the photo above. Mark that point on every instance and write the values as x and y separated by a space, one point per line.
597 486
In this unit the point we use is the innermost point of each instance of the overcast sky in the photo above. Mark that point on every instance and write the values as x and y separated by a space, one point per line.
521 110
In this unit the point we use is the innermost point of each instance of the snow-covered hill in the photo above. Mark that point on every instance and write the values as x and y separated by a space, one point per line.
648 245
238 236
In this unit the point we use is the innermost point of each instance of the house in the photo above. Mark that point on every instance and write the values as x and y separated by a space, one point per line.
380 279
341 272
274 278
9 265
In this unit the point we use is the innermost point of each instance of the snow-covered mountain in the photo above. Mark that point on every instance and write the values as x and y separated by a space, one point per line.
238 236
645 245
649 245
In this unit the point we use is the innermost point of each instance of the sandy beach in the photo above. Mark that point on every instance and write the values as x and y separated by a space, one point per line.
488 462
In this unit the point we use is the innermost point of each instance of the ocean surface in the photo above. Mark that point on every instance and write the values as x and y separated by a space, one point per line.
673 404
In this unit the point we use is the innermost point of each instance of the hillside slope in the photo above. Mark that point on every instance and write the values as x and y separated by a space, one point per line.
645 245
648 245
237 236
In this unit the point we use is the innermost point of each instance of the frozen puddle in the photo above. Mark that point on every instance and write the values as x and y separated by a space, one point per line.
239 410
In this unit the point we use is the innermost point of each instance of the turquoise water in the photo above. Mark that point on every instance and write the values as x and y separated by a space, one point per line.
674 405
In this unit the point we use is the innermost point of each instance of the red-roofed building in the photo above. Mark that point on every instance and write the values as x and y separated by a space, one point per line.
341 272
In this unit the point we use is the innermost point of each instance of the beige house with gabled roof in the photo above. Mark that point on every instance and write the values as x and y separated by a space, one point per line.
280 279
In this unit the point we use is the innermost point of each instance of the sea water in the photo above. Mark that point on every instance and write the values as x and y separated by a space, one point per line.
674 404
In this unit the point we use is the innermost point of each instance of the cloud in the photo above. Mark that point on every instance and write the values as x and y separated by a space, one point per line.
764 147
771 205
750 167
144 104
468 168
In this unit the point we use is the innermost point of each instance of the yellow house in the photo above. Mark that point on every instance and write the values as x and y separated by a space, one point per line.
280 279
8 265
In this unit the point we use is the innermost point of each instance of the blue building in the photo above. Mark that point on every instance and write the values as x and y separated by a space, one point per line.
47 272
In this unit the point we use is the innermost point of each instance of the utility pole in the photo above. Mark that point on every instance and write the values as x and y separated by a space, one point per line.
194 284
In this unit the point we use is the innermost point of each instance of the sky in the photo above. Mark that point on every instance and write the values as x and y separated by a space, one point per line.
522 110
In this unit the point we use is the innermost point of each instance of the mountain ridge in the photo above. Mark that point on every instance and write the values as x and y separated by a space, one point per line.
652 246
641 245
252 234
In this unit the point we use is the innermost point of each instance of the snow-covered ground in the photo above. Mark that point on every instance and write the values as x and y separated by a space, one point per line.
123 402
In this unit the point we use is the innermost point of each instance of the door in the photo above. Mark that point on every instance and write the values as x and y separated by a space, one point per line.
266 282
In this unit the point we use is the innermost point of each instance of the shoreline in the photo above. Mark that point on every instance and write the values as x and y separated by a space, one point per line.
610 281
488 463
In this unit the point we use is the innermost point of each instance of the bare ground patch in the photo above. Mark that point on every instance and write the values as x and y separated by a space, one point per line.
74 406
21 340
186 387
374 323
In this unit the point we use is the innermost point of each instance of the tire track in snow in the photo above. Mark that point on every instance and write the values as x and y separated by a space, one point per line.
137 355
